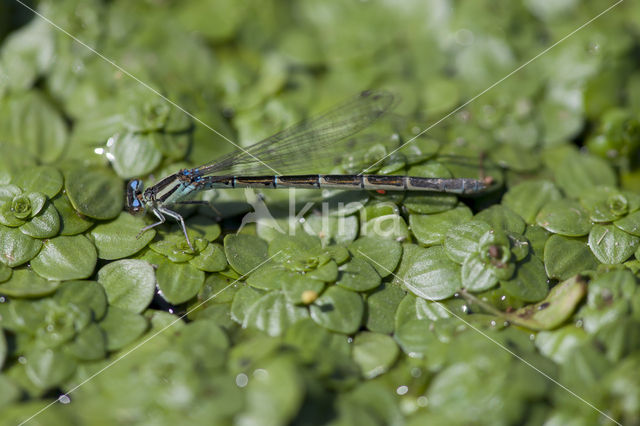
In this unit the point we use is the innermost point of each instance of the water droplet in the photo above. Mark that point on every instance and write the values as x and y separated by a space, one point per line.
64 399
22 360
416 372
402 390
422 401
260 373
242 380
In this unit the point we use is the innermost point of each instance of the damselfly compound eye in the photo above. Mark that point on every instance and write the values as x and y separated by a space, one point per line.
135 204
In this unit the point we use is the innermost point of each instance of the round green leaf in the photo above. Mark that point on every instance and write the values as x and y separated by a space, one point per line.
431 230
17 248
605 204
45 224
24 283
610 245
565 217
119 238
630 223
565 257
129 284
358 275
302 289
392 227
577 174
212 259
48 368
477 275
384 255
429 273
381 308
71 222
179 282
134 154
38 127
462 240
242 301
416 338
245 252
338 310
527 198
94 192
273 314
502 217
122 327
88 294
529 283
375 353
5 272
45 179
65 258
89 345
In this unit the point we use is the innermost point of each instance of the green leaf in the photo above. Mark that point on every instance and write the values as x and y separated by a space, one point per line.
45 224
301 289
94 192
565 257
431 230
578 174
529 283
245 252
558 344
564 217
630 223
417 339
381 308
122 327
5 272
17 248
555 309
275 396
477 275
527 198
273 314
65 258
134 154
89 344
338 310
45 179
375 353
129 284
71 222
502 217
462 240
428 273
88 294
358 275
48 368
610 245
179 282
24 283
37 127
212 259
606 204
119 238
242 301
392 227
384 255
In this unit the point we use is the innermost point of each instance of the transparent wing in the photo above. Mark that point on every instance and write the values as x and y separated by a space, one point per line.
316 145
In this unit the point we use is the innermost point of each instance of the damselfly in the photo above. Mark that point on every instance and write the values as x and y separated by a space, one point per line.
312 147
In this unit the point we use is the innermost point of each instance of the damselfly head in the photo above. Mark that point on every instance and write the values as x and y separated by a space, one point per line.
135 201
